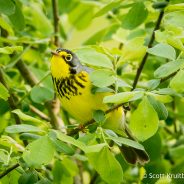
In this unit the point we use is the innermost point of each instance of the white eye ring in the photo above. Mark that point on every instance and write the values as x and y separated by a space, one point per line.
68 57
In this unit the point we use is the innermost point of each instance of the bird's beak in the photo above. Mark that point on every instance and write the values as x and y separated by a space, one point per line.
54 53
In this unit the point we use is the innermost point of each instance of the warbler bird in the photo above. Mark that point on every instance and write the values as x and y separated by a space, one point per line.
74 88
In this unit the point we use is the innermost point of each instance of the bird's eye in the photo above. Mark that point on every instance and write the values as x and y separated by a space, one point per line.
68 57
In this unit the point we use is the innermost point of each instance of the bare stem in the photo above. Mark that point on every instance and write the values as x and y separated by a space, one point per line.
141 66
56 21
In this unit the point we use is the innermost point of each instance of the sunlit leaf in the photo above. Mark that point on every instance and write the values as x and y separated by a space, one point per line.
39 152
64 176
144 120
168 68
22 128
108 7
78 13
127 142
106 165
26 117
159 108
136 15
123 97
134 49
177 83
102 78
92 57
163 50
4 24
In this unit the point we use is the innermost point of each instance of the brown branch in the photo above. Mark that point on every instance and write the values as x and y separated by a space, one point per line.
32 80
56 22
9 170
25 72
39 113
141 66
11 100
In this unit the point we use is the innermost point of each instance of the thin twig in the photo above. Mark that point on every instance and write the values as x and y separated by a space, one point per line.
141 66
9 170
39 113
56 22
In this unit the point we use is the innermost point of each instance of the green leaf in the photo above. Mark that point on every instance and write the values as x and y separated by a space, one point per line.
159 108
26 117
161 98
106 165
28 177
168 68
136 16
22 128
166 91
105 9
83 12
152 84
134 49
123 97
4 94
71 166
17 18
7 7
41 94
60 145
5 25
102 35
70 140
4 156
102 78
94 148
99 116
177 82
177 152
77 143
175 7
144 121
11 50
127 142
63 176
39 20
29 136
92 57
39 152
163 50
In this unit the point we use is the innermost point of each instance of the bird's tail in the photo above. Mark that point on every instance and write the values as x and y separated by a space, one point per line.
133 155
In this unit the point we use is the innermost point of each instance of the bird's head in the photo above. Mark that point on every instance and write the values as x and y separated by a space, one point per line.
63 63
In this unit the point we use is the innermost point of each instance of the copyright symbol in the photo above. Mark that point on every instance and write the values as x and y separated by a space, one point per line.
145 176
